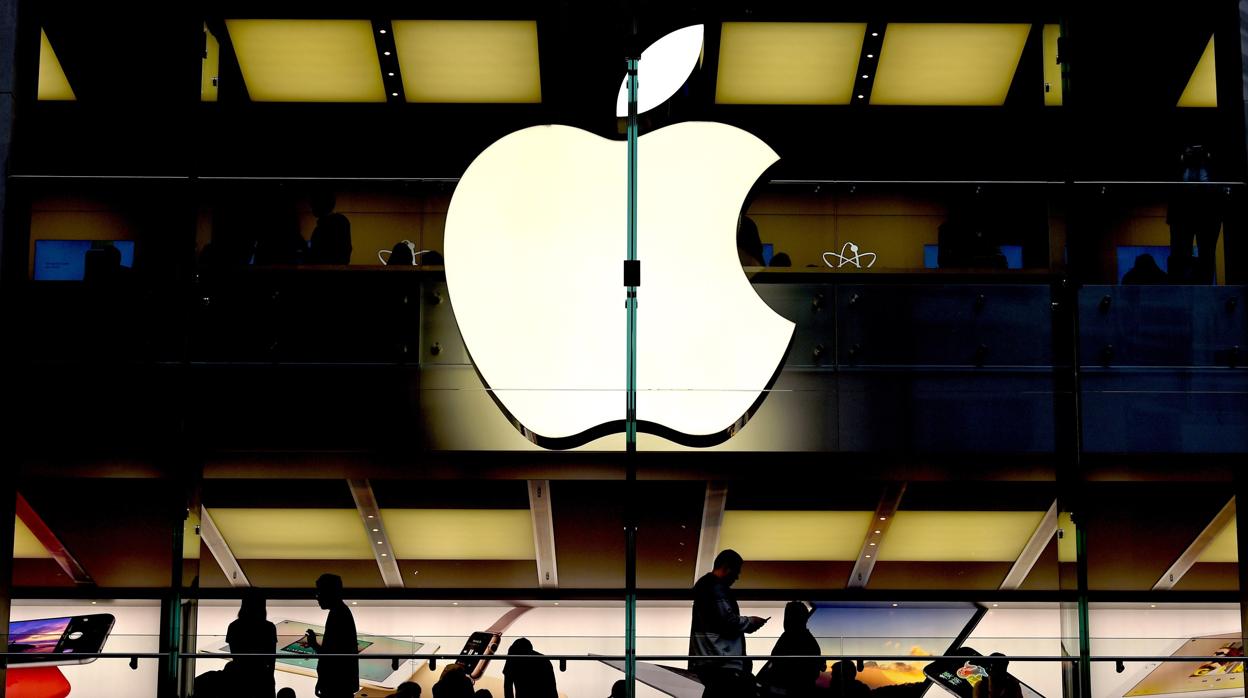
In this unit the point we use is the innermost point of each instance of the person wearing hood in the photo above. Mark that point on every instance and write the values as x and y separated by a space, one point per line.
787 675
718 630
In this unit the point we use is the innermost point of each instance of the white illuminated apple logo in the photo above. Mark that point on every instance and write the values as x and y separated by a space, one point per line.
534 249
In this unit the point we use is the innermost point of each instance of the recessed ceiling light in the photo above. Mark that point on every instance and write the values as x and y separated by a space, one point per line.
378 542
868 556
385 53
415 571
454 603
861 97
877 530
353 603
390 74
92 603
894 605
376 530
385 555
995 605
877 34
882 518
383 31
865 77
370 516
870 55
556 603
870 543
1152 605
394 94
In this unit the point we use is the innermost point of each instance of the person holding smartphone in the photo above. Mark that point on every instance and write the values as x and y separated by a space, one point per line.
999 683
336 677
718 630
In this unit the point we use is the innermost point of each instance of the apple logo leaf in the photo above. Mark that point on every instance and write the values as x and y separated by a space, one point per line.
663 68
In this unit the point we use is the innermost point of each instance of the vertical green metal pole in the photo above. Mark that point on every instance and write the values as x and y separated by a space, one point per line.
1085 641
630 404
630 427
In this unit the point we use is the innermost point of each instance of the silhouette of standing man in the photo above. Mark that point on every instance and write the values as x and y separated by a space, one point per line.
718 630
336 677
331 239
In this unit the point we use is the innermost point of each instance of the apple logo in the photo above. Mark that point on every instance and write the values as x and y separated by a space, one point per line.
534 246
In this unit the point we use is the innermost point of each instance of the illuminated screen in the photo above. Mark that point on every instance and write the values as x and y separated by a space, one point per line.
1188 677
374 670
1127 254
36 636
916 630
65 260
1013 256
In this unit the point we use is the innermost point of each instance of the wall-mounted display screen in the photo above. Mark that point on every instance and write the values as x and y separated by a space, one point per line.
911 629
66 260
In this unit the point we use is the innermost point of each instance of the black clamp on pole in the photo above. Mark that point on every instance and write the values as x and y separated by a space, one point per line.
632 272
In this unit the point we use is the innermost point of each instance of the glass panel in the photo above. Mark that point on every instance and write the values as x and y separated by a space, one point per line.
1147 649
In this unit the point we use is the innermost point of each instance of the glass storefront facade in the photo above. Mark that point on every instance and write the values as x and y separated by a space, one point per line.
937 321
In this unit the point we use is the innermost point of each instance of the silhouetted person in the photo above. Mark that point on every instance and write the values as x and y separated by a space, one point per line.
274 224
483 693
718 630
619 689
749 244
998 683
845 683
967 239
1145 271
336 677
781 259
432 257
453 682
252 633
528 675
401 255
796 677
213 684
407 689
233 240
102 264
331 240
286 693
1195 212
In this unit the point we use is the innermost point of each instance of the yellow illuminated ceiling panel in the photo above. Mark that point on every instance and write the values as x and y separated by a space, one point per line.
948 64
468 61
795 535
25 545
788 62
1052 70
460 534
1223 546
310 60
53 85
293 534
964 536
1066 546
209 67
1202 88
